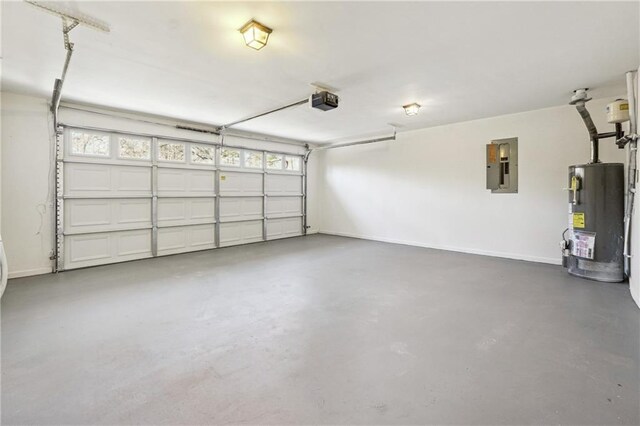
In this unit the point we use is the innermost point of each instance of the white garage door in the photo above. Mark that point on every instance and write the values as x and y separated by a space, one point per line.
123 197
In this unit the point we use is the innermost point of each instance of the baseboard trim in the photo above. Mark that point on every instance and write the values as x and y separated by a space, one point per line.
29 272
514 256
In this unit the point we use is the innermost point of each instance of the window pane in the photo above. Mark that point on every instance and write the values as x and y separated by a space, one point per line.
202 154
229 157
134 148
89 144
171 151
253 159
292 163
274 161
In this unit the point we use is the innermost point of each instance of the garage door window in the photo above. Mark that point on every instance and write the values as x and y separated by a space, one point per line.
91 144
230 157
171 151
253 159
137 149
274 161
202 154
292 163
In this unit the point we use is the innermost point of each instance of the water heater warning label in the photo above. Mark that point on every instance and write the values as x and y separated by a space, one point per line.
583 244
578 220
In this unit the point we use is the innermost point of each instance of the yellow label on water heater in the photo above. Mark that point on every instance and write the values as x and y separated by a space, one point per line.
578 220
575 185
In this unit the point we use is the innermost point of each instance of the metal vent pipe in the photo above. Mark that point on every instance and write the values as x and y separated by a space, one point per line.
593 132
579 99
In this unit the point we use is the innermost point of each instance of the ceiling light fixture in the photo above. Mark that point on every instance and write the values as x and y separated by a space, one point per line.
255 34
411 109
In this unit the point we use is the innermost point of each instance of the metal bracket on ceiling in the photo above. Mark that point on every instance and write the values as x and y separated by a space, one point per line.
66 29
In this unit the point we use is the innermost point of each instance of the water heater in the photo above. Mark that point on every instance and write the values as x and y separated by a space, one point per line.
596 221
594 242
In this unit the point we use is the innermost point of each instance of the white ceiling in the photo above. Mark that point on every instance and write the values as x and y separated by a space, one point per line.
461 61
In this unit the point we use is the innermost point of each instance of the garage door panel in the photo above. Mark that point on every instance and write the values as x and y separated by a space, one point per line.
133 243
182 239
236 183
241 208
172 210
202 181
87 177
109 247
240 233
284 206
81 214
184 182
91 180
171 180
132 179
284 184
88 247
137 211
203 208
282 228
96 215
201 237
171 239
185 211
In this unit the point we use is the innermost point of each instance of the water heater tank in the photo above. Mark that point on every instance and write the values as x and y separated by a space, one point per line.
596 221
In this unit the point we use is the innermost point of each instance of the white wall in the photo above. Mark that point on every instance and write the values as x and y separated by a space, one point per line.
427 188
27 197
27 214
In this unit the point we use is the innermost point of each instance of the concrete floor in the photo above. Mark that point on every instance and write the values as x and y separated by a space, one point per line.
319 330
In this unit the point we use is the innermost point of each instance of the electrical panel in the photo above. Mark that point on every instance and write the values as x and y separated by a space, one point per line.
502 166
324 100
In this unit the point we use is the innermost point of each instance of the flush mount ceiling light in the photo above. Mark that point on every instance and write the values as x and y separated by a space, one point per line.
255 34
411 109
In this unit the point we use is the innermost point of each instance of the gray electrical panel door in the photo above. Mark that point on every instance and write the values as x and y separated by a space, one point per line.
502 165
493 167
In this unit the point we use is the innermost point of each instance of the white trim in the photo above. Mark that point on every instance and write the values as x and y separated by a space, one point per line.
514 256
29 272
